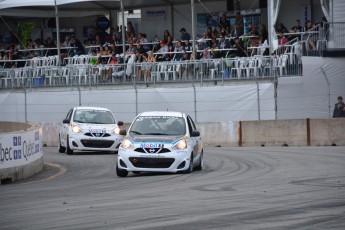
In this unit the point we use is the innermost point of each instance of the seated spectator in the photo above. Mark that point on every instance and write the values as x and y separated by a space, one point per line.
223 44
148 64
179 48
184 34
162 51
201 46
130 50
78 47
168 39
118 71
311 38
188 46
282 39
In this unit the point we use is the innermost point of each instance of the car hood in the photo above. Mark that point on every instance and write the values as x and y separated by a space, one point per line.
108 127
155 138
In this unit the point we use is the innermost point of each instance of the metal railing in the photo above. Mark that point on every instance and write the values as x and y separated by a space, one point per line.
80 72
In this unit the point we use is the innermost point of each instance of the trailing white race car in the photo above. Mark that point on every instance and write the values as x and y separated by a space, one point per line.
89 129
160 141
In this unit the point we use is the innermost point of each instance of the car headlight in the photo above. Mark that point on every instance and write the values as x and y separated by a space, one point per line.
116 130
76 129
181 144
126 144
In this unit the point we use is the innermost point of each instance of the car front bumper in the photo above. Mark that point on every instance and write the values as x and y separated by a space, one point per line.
133 161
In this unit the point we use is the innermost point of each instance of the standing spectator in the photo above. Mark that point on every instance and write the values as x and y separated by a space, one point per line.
339 108
311 39
184 34
224 22
238 26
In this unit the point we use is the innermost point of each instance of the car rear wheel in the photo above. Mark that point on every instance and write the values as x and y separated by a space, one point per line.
121 172
201 162
69 150
60 147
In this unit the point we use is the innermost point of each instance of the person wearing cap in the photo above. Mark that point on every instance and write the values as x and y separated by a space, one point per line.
339 108
184 34
118 68
201 46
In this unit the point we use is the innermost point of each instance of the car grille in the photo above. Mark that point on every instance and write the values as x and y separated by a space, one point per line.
97 134
152 150
97 143
145 162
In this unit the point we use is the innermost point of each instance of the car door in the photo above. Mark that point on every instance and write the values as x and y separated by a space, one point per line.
65 127
196 141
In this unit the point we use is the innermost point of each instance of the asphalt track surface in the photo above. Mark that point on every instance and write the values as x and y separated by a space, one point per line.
239 188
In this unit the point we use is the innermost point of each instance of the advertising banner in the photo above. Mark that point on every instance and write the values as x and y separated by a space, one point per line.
20 149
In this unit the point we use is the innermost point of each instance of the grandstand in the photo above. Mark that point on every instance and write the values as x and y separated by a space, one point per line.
295 80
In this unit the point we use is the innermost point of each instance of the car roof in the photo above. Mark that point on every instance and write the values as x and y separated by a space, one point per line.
91 108
162 113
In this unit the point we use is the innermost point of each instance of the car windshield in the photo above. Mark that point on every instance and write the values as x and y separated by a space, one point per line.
158 125
93 116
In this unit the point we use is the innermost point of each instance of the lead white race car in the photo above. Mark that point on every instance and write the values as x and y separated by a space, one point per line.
160 141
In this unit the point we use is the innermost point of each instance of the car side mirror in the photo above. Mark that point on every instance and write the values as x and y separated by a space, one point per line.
123 132
66 121
120 123
195 133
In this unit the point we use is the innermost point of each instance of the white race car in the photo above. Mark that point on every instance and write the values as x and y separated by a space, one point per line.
160 142
89 129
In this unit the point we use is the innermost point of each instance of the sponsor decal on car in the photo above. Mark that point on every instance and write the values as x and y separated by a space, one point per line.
151 145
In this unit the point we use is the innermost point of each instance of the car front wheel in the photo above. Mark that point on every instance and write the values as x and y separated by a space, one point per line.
61 149
201 162
69 150
121 172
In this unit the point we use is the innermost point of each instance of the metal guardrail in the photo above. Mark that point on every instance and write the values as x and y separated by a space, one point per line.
81 73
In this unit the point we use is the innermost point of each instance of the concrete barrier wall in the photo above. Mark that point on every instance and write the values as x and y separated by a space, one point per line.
21 154
253 133
327 132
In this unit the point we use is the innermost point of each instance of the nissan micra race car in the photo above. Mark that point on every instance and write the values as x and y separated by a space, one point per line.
89 129
160 142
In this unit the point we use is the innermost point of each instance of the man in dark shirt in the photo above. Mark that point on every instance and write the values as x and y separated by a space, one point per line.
339 108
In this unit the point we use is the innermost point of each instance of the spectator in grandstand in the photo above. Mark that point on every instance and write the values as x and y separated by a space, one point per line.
311 37
297 27
179 48
139 58
254 31
140 48
238 26
224 22
168 39
339 108
78 47
208 33
148 64
223 44
201 46
239 48
281 28
130 50
184 34
162 52
263 33
188 46
205 55
118 71
171 55
282 39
